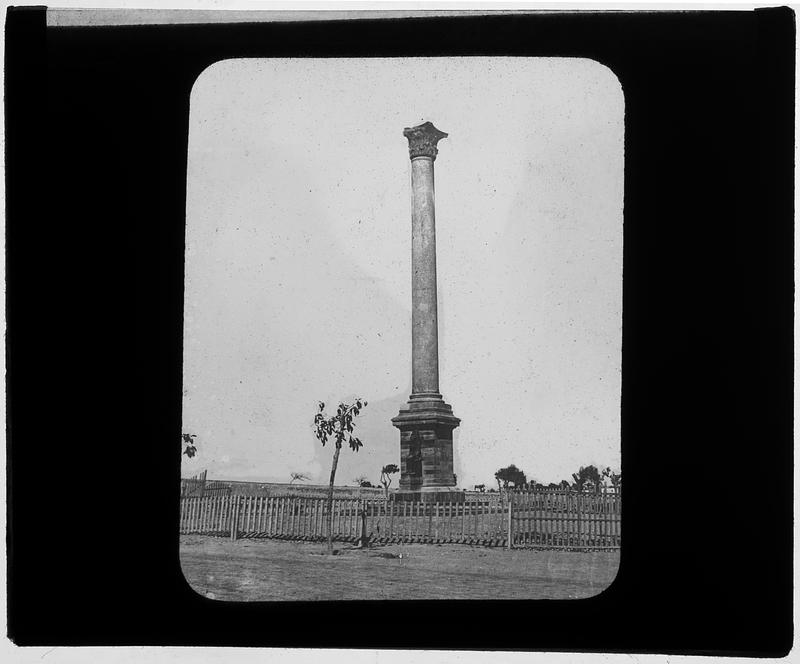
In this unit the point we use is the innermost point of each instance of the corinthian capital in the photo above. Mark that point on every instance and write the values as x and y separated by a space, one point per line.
422 140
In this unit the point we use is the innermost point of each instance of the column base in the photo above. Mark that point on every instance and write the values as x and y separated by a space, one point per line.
426 445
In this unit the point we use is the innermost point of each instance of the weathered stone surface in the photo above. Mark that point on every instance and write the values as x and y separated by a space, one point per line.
422 140
424 315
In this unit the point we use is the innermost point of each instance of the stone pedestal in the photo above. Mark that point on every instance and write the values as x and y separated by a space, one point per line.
426 426
426 445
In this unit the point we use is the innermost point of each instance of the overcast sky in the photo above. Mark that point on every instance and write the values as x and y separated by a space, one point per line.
298 261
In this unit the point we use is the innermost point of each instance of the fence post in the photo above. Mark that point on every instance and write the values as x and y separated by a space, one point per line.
509 544
362 540
234 517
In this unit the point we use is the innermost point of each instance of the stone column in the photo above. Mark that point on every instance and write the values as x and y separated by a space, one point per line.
424 322
426 426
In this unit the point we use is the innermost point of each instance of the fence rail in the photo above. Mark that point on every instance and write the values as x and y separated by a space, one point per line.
561 520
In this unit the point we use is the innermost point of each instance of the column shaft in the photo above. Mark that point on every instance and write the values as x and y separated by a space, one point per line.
424 324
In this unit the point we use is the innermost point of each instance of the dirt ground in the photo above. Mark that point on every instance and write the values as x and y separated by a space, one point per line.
269 570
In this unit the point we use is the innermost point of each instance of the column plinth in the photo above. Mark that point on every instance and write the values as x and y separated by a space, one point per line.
426 426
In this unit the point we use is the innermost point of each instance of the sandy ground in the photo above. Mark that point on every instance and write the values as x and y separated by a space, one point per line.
269 570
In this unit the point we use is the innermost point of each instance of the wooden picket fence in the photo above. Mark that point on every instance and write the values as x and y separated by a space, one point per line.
193 486
199 486
553 520
566 520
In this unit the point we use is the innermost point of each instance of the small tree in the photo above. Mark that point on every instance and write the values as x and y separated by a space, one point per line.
480 487
187 442
386 472
588 477
299 477
361 480
510 475
340 428
614 478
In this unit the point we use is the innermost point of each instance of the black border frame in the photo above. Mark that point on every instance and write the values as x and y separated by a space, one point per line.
96 127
